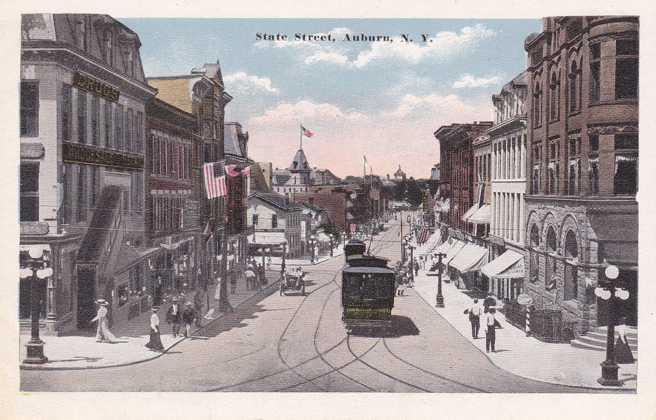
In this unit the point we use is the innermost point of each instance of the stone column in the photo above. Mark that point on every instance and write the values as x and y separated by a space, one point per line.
522 222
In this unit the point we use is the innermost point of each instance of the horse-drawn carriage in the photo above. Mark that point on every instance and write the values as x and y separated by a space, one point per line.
294 281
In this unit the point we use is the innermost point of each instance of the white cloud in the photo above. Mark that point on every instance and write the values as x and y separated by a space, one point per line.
247 83
327 57
306 111
469 81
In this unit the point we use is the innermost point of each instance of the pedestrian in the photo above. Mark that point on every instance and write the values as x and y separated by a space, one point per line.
188 317
475 312
416 267
103 335
622 349
155 342
491 324
251 280
173 317
489 302
262 275
198 306
233 281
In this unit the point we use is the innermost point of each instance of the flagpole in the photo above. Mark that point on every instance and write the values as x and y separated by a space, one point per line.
300 140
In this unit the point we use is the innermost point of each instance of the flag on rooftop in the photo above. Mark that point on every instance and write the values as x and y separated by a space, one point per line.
306 132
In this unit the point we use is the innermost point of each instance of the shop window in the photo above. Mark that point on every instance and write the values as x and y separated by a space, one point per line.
571 254
593 174
122 293
626 69
29 109
595 72
138 132
626 164
594 142
129 130
66 112
29 192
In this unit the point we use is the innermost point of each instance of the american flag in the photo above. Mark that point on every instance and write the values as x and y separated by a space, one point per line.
423 235
215 180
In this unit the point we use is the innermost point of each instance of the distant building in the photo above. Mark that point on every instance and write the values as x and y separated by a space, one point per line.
277 224
399 175
322 176
295 179
266 169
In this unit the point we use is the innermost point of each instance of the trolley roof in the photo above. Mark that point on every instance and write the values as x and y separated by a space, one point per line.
364 270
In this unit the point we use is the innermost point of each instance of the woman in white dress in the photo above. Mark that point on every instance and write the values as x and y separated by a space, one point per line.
103 335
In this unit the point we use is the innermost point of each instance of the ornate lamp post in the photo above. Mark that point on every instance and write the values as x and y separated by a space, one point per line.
611 293
439 299
412 263
36 267
282 265
331 236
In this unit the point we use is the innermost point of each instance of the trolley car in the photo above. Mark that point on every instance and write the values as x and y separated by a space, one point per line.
368 289
353 249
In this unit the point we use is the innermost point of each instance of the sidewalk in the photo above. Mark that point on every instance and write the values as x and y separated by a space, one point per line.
524 356
276 261
83 352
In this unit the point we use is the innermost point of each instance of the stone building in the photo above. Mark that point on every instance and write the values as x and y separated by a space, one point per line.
509 164
83 96
581 205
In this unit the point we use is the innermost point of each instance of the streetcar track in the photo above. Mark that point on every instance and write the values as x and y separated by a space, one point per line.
444 378
348 344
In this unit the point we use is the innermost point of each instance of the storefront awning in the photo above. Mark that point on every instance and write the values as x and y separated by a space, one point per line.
267 238
470 258
469 212
482 215
452 252
322 237
443 248
170 245
509 265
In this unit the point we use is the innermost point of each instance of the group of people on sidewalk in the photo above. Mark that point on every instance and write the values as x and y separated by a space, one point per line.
176 317
487 312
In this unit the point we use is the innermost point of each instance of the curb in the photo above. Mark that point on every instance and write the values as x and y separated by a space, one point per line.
262 292
625 389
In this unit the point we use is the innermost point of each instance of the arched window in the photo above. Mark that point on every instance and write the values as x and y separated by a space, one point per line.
571 278
554 93
573 88
550 269
534 238
537 105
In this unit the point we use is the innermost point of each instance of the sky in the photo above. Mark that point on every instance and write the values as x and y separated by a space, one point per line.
382 99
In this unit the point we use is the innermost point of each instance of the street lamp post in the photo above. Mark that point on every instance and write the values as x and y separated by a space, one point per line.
36 269
610 293
412 264
282 265
331 245
312 242
439 299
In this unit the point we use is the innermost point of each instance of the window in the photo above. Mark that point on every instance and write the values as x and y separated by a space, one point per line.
549 280
593 174
626 164
534 255
573 88
154 148
81 116
108 46
95 184
29 192
594 142
554 94
81 194
274 221
29 109
118 127
129 130
138 130
95 120
571 254
626 69
255 217
537 105
108 124
595 72
66 112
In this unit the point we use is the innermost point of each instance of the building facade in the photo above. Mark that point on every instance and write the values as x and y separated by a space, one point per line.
581 207
509 167
276 222
172 203
82 132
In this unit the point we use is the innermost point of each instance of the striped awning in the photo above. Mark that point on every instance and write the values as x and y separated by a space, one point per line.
508 265
453 251
482 215
469 212
470 258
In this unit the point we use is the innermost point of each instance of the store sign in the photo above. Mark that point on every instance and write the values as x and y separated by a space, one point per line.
94 86
80 153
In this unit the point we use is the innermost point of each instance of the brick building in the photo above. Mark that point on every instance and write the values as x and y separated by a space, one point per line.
581 210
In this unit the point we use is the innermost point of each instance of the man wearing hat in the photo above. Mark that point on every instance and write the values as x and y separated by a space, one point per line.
174 317
188 316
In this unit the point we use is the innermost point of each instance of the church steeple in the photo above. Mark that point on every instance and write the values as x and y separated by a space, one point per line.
300 162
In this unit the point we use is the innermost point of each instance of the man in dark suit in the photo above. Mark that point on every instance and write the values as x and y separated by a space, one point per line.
174 317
